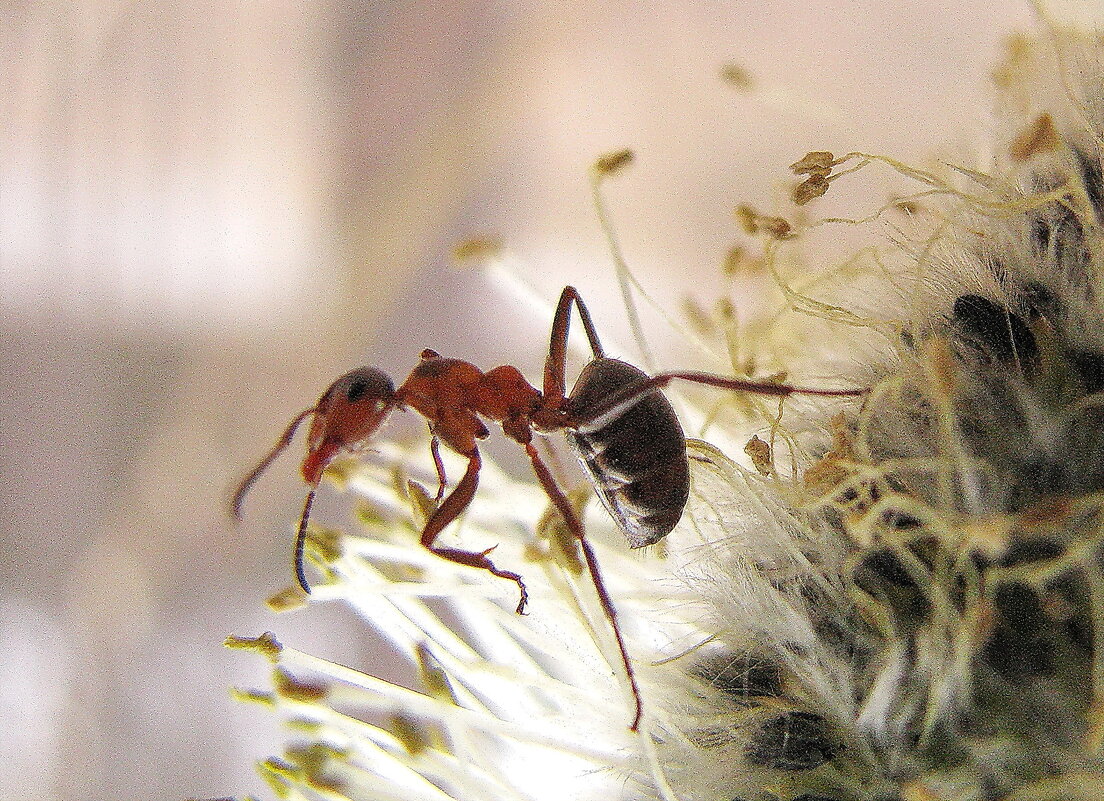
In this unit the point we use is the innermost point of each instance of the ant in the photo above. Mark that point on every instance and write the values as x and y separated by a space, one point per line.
620 424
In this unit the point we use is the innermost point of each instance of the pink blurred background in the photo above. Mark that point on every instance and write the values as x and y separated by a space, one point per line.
209 210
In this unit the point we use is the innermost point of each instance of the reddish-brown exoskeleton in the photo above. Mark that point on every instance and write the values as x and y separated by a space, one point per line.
616 418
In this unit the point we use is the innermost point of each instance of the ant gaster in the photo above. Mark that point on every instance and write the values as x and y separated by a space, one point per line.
623 428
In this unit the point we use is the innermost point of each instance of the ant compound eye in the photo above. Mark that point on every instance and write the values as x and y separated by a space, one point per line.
367 383
357 390
364 383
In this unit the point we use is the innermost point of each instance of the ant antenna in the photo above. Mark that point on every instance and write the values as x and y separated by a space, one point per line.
270 457
301 541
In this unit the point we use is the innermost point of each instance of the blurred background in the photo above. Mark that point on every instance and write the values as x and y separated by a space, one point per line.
209 210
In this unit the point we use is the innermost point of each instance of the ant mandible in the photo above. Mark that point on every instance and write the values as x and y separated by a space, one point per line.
622 427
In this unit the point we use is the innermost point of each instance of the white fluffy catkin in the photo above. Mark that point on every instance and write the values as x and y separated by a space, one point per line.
946 573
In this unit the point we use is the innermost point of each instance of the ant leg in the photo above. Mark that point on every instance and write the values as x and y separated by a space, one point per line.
442 481
555 383
618 402
756 387
559 500
449 510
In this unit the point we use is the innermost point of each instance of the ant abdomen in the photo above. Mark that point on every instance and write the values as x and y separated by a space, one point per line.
635 456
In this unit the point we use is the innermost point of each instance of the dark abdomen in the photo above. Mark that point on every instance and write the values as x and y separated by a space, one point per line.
636 459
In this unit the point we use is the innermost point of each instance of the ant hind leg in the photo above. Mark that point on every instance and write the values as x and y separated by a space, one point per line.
555 384
563 505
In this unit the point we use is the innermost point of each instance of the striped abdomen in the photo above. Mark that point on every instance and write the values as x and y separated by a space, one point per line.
635 458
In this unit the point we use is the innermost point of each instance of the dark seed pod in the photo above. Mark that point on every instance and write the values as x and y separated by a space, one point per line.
792 741
1019 648
1089 368
743 678
1092 178
995 333
883 576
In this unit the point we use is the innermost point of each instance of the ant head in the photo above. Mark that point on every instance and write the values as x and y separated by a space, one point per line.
347 414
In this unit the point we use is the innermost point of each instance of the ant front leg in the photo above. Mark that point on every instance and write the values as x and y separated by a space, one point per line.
555 381
563 506
457 501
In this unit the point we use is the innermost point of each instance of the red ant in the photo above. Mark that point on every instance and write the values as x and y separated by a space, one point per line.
617 420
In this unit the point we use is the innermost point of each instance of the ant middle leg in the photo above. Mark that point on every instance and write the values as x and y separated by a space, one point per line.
457 501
